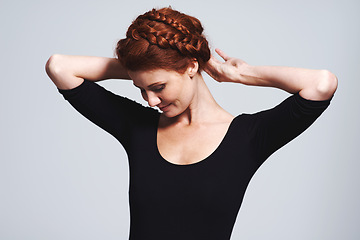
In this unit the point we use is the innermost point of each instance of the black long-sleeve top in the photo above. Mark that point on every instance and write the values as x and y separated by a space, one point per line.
198 201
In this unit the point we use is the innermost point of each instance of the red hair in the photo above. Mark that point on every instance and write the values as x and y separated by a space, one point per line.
163 39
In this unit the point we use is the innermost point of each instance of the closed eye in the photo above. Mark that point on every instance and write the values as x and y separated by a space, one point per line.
158 88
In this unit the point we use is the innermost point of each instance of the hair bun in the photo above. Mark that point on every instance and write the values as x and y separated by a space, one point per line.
168 30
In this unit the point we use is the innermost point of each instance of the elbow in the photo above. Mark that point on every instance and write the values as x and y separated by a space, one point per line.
327 84
53 67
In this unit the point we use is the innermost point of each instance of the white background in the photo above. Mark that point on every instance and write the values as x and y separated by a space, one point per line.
62 177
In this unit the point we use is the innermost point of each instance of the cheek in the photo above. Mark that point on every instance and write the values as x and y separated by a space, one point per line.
187 93
180 97
180 94
171 95
181 103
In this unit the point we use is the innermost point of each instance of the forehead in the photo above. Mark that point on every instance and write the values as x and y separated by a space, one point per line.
146 78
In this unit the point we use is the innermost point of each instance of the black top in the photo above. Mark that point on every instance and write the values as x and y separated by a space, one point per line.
195 201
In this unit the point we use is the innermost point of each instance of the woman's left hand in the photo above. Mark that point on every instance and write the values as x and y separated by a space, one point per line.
232 70
310 83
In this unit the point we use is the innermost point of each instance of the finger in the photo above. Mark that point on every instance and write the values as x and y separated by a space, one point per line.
212 63
222 54
214 60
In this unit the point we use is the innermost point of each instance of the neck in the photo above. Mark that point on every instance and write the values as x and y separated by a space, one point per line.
203 106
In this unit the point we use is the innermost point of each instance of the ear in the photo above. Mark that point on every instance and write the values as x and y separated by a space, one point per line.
193 68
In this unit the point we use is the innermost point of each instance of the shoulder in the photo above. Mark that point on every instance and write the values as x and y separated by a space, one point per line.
294 105
91 95
293 108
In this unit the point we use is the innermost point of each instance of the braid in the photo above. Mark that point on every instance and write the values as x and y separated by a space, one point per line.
163 38
186 43
160 17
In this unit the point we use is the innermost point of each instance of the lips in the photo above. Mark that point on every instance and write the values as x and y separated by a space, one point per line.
163 108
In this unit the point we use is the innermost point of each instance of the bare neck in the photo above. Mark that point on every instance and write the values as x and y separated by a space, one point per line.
203 107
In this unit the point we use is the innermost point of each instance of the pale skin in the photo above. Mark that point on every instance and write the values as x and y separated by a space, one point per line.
192 124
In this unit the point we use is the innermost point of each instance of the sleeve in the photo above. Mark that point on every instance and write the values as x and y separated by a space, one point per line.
115 114
277 126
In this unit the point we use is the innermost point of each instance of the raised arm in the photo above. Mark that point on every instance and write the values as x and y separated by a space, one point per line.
311 84
68 71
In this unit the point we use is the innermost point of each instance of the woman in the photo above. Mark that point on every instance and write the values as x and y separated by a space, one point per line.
190 164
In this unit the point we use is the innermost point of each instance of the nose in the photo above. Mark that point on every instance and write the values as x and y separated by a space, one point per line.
153 100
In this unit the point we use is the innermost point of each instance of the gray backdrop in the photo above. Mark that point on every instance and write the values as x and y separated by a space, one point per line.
62 177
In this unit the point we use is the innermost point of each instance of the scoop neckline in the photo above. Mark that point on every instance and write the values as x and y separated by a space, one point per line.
202 161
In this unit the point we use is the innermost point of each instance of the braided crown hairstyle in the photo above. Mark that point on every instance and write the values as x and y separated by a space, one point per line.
163 39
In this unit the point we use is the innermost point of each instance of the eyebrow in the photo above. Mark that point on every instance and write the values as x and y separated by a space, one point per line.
153 84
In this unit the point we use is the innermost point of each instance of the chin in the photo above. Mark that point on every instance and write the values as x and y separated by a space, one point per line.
172 111
170 114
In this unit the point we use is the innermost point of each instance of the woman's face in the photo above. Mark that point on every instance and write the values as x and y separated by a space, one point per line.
170 91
